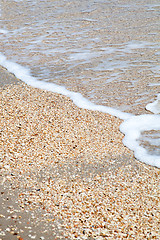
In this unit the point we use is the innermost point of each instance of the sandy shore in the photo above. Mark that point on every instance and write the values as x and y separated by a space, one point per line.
66 174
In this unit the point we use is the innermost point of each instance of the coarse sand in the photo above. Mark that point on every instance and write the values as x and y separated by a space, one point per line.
65 173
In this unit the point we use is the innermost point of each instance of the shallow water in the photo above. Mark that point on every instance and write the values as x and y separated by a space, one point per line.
107 50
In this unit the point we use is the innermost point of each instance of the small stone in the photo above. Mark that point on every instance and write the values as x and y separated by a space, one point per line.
104 233
42 238
31 236
8 229
6 166
19 238
2 233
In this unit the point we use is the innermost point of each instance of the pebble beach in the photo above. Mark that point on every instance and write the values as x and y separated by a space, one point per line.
65 173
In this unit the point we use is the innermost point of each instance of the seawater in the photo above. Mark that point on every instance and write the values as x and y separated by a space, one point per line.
104 55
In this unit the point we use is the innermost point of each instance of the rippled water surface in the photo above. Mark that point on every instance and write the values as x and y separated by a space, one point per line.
107 50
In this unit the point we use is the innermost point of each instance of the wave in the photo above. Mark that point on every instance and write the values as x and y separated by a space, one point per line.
132 127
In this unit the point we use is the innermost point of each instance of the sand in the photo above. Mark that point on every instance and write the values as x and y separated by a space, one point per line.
65 173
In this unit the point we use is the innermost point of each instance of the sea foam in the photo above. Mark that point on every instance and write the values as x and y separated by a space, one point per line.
155 106
132 129
132 126
23 73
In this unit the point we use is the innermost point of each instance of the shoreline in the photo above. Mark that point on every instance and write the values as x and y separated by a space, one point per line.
70 173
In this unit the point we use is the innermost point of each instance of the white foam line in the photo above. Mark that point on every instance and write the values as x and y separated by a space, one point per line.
132 129
24 74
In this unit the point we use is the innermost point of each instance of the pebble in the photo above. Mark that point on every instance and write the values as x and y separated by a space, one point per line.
8 229
2 233
31 236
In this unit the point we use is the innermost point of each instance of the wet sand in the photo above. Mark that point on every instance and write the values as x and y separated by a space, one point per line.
7 78
66 174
